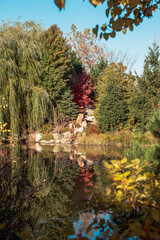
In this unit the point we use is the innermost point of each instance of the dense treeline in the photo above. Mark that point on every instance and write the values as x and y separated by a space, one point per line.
127 100
43 79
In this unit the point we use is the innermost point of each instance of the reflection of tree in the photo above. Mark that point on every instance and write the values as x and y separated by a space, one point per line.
100 175
34 190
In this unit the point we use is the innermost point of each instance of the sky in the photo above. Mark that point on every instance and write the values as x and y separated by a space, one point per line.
84 15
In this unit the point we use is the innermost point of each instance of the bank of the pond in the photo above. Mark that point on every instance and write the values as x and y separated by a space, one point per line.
119 138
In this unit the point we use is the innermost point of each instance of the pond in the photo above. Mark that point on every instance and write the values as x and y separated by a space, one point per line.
46 192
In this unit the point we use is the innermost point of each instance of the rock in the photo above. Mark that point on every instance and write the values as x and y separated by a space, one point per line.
80 162
84 124
79 118
57 141
67 135
78 130
56 136
38 147
89 112
90 119
66 141
71 126
44 142
38 137
89 162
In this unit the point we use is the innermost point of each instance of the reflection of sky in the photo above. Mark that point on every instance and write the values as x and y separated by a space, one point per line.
95 233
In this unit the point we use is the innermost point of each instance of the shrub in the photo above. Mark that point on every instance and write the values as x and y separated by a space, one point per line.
92 129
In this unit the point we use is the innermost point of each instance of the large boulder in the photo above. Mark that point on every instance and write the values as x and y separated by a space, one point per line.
56 136
79 118
67 135
78 130
38 137
84 124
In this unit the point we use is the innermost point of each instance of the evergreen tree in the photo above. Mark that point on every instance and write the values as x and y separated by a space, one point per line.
76 63
97 70
145 97
151 74
112 109
114 88
56 70
140 109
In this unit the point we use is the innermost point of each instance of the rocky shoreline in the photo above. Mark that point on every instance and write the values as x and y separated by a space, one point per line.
72 132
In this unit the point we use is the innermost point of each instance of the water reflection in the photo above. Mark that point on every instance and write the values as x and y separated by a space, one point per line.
36 188
42 191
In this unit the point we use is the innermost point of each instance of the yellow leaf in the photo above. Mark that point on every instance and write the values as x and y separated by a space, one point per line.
140 178
120 186
124 160
95 3
126 173
117 179
107 165
136 161
119 175
124 30
119 193
108 191
128 166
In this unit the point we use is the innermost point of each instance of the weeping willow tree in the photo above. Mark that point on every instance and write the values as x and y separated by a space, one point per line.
20 53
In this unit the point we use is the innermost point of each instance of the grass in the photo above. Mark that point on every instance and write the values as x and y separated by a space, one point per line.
47 137
123 137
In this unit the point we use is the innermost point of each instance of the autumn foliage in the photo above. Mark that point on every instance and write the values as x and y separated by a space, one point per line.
82 88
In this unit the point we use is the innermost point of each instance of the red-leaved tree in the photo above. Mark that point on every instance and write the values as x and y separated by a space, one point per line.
82 88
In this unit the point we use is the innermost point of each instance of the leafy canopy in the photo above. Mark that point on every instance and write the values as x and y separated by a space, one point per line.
121 14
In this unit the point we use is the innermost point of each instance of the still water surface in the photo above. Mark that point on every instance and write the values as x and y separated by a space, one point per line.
45 189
